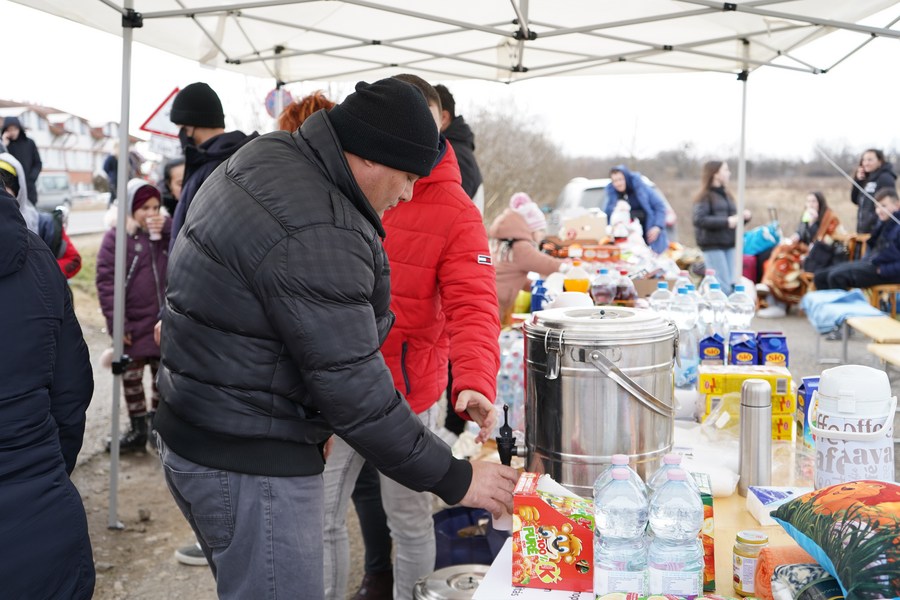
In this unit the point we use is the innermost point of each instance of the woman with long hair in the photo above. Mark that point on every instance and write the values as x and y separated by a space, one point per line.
782 271
872 174
715 220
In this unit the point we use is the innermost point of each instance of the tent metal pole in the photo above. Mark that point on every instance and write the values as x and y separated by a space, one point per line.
742 174
120 361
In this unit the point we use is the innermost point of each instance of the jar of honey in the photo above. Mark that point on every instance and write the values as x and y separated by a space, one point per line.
747 546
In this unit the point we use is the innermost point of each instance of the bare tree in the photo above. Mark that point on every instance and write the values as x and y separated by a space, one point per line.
514 156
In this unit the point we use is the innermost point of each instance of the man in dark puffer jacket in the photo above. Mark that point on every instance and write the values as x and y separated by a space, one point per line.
278 302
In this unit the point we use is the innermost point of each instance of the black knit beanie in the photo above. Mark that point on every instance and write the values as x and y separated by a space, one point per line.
198 105
388 122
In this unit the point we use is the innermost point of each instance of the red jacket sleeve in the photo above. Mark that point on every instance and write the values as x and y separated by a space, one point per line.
469 299
70 261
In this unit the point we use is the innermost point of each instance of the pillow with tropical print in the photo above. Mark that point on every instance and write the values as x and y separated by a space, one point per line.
853 530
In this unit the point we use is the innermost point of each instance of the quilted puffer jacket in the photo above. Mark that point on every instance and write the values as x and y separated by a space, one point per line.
277 305
441 281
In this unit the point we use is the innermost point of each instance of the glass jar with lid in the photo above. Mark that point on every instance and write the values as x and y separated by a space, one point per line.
747 546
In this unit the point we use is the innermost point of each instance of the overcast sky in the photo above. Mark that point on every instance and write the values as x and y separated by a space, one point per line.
855 105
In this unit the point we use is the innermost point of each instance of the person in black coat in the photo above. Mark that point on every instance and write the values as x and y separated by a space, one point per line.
25 150
873 174
46 384
455 129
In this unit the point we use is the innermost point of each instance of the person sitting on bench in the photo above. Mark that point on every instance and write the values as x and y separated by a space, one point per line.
882 264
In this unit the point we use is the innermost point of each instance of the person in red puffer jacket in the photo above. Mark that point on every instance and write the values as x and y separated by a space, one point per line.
445 302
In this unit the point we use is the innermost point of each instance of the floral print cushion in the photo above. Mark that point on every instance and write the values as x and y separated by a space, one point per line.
853 530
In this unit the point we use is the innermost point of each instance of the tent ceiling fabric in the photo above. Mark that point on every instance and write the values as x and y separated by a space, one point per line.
296 40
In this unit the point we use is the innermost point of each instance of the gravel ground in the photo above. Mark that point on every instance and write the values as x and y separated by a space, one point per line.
136 561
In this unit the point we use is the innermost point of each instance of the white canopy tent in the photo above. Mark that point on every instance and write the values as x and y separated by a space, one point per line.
494 40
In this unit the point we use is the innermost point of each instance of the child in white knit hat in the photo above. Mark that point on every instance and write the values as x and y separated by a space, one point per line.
514 237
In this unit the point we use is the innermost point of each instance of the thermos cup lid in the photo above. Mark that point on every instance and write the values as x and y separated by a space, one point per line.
756 393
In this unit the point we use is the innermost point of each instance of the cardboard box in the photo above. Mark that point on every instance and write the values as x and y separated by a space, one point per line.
784 405
712 350
729 378
552 536
773 349
707 532
763 500
742 348
782 427
808 386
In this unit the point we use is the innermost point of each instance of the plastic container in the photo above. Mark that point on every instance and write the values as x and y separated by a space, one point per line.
619 461
675 556
684 313
538 295
603 289
715 307
626 294
741 308
620 546
745 555
577 279
661 300
661 476
852 415
683 279
709 278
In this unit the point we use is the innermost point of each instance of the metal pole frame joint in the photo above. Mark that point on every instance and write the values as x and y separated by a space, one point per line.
131 19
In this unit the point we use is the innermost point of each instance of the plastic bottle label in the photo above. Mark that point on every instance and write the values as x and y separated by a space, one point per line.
744 570
606 582
678 583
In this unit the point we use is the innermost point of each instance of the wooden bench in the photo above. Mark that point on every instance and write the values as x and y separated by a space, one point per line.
888 353
881 330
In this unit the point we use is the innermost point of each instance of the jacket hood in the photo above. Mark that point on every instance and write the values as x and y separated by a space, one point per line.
218 149
29 212
14 121
885 167
446 168
132 188
509 225
13 235
629 176
459 132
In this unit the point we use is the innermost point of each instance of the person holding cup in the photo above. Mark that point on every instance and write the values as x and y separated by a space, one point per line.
146 260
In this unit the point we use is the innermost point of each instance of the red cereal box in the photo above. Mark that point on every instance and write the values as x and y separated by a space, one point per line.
553 537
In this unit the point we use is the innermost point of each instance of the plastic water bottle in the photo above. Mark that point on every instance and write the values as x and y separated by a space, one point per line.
620 543
708 279
577 279
661 476
683 279
675 557
603 289
538 295
626 294
684 313
715 306
741 308
661 300
619 461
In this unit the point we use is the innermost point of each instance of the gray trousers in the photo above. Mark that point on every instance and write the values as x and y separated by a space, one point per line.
261 535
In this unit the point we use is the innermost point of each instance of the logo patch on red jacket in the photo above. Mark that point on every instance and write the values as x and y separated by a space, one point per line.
484 259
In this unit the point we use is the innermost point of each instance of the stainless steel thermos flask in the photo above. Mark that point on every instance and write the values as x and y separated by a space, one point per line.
755 458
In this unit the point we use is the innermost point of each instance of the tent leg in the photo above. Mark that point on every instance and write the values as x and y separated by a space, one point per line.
119 282
742 174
